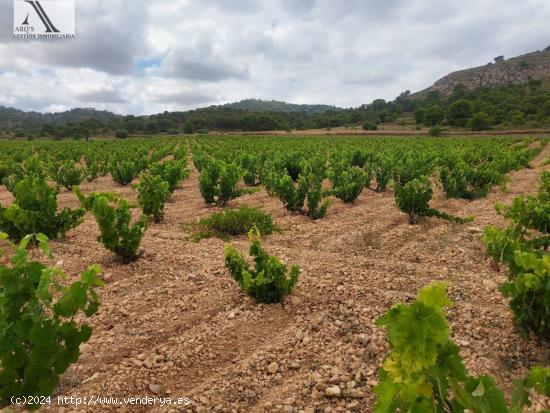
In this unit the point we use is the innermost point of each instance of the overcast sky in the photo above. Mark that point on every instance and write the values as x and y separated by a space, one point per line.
145 57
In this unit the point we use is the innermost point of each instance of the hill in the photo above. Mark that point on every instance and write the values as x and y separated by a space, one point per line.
515 71
258 105
11 118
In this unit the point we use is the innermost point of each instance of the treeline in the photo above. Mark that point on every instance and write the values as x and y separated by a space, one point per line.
485 108
489 107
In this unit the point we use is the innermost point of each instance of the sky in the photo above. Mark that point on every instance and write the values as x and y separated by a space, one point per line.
149 56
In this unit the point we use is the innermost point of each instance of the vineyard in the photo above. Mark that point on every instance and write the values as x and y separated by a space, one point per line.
277 274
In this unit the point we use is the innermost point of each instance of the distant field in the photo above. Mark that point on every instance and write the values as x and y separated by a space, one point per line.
390 130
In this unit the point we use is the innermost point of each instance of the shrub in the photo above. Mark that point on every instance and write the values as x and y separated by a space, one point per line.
532 212
33 166
529 293
425 373
208 183
347 182
464 181
7 168
233 222
41 322
218 182
34 210
124 172
293 163
270 281
316 207
92 171
250 166
358 158
117 233
413 198
171 171
382 173
368 125
180 153
523 247
68 175
308 186
435 131
293 196
121 134
152 193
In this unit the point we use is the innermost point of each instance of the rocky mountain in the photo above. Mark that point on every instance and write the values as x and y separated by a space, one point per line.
517 70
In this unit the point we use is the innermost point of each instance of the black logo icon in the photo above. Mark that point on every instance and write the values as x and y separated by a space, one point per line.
43 16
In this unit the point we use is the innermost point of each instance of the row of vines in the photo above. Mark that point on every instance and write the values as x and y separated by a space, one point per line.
423 372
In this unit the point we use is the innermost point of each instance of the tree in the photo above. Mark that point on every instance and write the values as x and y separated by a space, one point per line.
517 118
434 96
434 115
459 112
188 128
480 121
121 134
151 128
419 115
459 92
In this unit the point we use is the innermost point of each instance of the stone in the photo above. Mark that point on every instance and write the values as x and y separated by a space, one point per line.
353 406
93 377
333 391
272 368
363 339
295 300
356 394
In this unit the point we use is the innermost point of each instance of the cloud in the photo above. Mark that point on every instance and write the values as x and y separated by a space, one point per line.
103 96
208 71
105 39
185 98
157 56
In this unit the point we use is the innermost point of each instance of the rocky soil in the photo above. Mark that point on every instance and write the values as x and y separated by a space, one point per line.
174 324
